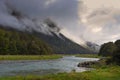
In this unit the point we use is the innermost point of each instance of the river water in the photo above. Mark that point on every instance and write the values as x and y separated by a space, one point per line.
42 67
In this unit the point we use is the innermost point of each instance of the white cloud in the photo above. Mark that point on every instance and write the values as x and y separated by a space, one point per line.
101 19
48 2
95 4
97 29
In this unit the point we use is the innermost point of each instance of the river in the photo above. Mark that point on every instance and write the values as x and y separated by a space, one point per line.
42 67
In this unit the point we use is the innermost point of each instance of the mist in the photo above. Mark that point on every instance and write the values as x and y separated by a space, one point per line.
79 20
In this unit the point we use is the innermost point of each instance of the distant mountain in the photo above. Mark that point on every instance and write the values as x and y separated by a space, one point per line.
46 30
93 46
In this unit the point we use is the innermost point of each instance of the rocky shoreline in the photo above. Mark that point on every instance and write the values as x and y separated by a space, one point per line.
88 64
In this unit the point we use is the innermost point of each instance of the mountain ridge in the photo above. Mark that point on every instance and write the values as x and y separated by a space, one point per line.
58 44
47 30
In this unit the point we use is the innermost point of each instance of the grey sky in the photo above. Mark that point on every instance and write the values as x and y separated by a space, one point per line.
81 20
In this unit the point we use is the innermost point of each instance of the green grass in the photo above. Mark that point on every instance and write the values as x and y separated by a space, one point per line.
108 73
88 55
29 57
105 72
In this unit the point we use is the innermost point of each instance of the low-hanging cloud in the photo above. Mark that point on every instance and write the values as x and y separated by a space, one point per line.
81 20
64 12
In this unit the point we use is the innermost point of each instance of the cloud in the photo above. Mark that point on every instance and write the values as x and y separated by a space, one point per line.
48 2
73 37
101 20
85 20
63 12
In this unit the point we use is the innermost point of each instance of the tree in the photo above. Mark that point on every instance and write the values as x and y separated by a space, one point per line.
21 43
117 43
108 49
116 56
113 50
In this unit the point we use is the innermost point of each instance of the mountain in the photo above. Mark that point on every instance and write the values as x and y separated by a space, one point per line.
14 42
93 46
45 30
51 35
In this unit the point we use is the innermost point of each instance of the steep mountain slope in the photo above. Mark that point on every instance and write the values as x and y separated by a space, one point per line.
46 30
62 44
14 42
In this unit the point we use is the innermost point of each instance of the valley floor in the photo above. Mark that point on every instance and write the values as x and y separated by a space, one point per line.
29 57
105 73
111 72
88 55
43 57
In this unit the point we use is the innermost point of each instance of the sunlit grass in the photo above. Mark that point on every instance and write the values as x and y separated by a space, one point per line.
29 57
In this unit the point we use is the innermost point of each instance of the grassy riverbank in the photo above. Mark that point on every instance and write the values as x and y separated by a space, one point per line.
42 57
29 57
88 55
106 73
102 72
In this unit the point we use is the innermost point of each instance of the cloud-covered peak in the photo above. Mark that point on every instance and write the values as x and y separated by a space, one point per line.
93 20
12 17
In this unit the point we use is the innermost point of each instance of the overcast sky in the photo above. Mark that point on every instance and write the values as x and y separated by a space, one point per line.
82 20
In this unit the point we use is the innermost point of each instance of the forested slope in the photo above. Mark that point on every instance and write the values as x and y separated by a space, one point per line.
14 42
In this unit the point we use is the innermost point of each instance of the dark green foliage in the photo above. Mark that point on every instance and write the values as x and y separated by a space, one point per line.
116 57
20 43
117 43
108 49
112 50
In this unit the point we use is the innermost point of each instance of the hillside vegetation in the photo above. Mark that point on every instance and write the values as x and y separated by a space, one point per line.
111 50
19 43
